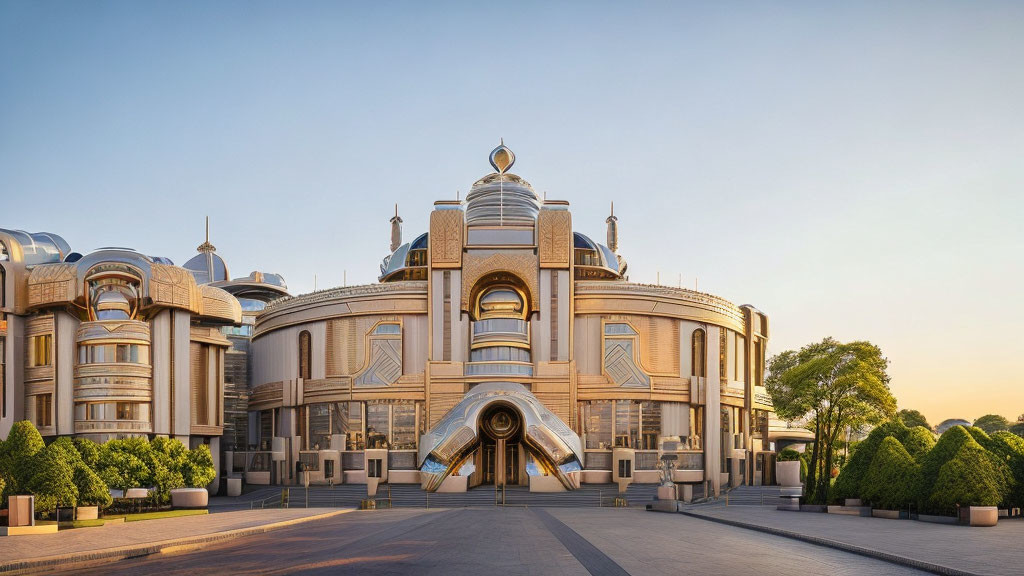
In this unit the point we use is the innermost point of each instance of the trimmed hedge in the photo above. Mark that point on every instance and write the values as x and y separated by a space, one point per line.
848 483
53 480
973 477
1009 448
890 479
22 444
918 442
945 449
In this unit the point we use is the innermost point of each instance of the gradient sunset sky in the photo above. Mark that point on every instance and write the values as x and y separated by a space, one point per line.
852 169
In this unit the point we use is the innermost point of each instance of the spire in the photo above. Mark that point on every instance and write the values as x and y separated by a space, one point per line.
613 230
206 247
396 230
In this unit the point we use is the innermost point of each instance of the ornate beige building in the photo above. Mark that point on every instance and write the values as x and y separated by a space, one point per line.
110 344
503 347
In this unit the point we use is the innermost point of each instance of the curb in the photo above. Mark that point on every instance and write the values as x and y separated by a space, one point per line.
186 543
878 555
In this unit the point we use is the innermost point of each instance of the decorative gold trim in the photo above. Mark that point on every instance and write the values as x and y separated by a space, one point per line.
554 238
446 238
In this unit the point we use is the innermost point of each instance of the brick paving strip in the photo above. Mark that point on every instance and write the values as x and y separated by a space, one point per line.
227 526
751 522
591 557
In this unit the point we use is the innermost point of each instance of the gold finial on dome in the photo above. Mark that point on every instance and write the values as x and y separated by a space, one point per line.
502 158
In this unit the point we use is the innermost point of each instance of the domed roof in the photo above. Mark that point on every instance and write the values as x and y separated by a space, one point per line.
502 199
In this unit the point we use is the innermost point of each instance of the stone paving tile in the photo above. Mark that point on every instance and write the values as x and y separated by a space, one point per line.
656 543
995 550
147 531
516 541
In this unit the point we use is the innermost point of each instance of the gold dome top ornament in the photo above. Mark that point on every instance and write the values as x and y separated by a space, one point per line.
502 158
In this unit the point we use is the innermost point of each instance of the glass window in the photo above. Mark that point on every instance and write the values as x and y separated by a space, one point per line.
698 356
305 355
387 329
404 429
266 429
127 411
650 426
347 419
44 407
500 354
377 416
319 427
596 421
39 350
627 424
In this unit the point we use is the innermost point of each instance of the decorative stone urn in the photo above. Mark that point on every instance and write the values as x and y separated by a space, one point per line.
190 498
788 473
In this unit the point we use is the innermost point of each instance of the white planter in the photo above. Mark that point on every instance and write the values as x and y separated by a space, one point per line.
87 513
190 498
234 486
979 515
788 473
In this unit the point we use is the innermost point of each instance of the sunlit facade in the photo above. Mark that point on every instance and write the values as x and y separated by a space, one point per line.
111 344
504 347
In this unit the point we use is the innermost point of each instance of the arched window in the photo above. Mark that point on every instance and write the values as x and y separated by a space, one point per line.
699 354
305 355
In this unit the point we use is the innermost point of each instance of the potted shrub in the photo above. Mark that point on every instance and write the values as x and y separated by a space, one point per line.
888 483
788 468
197 471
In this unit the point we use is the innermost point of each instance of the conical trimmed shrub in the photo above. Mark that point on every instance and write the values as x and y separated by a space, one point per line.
891 478
973 477
848 484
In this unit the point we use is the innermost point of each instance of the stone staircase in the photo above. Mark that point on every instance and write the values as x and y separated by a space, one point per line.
753 496
411 496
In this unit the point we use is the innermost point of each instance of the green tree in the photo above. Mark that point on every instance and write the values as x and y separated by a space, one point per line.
167 462
973 477
836 386
88 450
22 444
126 463
52 481
945 449
199 470
911 418
892 476
1017 428
992 423
92 491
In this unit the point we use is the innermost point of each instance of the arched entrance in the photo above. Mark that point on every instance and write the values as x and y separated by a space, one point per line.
501 428
491 431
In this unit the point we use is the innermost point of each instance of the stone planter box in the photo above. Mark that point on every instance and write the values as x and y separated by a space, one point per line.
190 498
87 513
234 486
788 473
819 508
979 515
890 514
935 519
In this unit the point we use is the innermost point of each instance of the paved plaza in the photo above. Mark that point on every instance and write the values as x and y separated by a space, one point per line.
563 541
995 550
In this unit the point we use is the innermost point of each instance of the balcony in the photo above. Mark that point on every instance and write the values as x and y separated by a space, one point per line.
498 369
501 330
113 427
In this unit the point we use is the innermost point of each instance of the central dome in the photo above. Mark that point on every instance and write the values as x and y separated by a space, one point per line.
502 199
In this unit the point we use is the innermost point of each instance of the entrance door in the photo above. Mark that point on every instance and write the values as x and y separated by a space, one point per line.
499 447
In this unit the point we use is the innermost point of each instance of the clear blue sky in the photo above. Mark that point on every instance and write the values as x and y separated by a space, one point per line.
852 169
